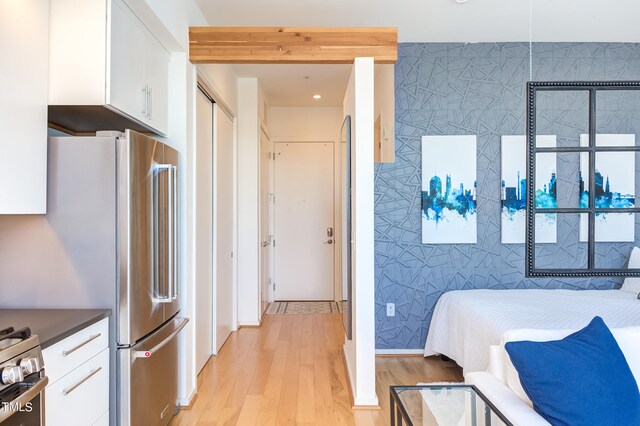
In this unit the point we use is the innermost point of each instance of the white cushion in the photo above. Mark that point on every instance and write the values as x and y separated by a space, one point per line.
628 338
505 400
497 363
632 284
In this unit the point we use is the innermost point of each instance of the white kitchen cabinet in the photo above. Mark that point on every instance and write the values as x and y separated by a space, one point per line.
157 76
126 82
104 65
23 106
78 371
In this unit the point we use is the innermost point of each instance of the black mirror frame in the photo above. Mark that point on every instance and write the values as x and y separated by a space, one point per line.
533 87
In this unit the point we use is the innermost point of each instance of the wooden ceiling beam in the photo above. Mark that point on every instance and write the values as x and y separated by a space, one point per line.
291 45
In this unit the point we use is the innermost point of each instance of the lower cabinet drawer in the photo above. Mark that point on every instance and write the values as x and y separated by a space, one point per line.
80 397
75 350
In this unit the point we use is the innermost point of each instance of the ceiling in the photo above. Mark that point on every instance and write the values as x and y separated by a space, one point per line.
417 21
444 20
295 85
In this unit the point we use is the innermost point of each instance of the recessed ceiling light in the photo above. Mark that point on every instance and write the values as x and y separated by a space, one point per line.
317 96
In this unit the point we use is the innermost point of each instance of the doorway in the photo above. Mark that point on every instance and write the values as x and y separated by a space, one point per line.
304 221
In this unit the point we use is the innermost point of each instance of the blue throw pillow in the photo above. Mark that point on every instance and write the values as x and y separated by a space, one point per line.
581 380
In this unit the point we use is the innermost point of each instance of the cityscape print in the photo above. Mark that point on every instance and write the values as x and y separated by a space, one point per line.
605 198
614 188
515 198
435 201
513 193
449 190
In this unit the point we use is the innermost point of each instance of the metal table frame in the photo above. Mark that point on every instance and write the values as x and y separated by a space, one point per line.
399 415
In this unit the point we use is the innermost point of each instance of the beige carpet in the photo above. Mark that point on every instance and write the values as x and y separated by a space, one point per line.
303 308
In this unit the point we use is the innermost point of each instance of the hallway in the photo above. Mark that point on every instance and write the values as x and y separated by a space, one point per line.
290 371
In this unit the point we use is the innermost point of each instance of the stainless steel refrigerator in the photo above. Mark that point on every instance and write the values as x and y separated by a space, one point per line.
113 203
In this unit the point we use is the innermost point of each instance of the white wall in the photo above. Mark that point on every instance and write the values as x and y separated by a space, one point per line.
360 351
302 124
169 21
384 106
248 197
314 124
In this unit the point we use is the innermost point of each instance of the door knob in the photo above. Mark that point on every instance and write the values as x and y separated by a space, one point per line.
329 241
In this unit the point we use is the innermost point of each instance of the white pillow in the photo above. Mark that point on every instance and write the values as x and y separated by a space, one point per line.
628 338
632 284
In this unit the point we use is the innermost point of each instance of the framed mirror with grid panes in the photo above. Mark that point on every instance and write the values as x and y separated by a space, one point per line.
591 197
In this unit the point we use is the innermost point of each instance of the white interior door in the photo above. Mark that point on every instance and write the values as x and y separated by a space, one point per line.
224 225
304 229
265 220
204 230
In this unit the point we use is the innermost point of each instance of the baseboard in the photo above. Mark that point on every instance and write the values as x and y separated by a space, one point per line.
399 352
360 404
251 324
187 403
367 404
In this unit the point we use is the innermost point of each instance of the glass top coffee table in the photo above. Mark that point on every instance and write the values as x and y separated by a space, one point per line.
443 405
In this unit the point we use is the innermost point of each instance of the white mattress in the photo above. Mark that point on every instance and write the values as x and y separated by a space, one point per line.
466 322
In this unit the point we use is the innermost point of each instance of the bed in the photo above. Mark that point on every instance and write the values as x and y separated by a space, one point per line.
466 322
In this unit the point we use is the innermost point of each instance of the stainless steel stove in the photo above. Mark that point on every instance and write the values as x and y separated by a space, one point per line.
22 378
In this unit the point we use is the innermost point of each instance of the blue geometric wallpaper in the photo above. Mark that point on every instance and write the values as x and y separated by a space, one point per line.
479 89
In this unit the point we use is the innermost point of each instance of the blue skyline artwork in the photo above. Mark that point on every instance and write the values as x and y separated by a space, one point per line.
448 198
513 194
614 188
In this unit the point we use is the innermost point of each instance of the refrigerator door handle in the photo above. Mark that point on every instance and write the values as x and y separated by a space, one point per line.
149 352
171 232
165 293
174 246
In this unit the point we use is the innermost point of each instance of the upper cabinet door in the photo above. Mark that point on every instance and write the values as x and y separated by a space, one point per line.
157 81
126 87
101 54
24 40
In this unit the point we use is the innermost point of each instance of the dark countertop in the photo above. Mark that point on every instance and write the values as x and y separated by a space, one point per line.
51 325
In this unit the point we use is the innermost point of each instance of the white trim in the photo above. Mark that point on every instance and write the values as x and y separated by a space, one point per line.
302 139
234 323
214 227
372 403
249 324
399 351
213 94
185 402
265 129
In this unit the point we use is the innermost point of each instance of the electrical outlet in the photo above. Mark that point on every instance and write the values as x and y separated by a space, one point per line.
391 309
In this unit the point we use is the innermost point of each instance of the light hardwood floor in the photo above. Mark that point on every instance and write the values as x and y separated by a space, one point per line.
290 371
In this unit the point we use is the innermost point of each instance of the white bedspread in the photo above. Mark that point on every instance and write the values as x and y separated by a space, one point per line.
466 322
